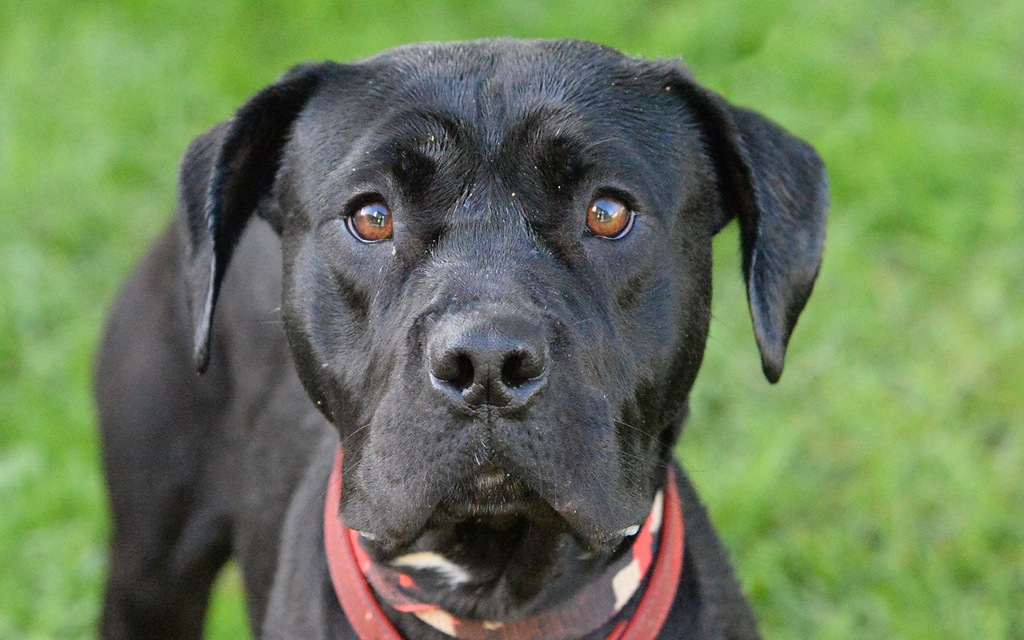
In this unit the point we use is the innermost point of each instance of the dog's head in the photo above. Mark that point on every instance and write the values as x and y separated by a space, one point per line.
497 268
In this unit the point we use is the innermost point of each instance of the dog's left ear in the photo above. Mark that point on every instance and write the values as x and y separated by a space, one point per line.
775 185
224 176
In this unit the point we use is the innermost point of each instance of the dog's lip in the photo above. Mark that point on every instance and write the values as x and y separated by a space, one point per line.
495 496
489 480
468 510
527 506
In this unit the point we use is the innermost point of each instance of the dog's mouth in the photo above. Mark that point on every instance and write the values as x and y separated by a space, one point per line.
494 550
493 505
492 495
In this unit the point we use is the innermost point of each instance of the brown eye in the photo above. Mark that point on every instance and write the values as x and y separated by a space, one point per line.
371 222
609 218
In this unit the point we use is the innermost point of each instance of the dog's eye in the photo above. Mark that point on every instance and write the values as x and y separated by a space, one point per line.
371 222
608 218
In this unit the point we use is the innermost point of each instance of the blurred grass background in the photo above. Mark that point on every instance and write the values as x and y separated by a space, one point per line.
876 492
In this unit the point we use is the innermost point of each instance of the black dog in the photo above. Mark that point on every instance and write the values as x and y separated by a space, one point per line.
485 266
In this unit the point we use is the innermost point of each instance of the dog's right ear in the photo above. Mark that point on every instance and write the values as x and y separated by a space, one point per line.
224 175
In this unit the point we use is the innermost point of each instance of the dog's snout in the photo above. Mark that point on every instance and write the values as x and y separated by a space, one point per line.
496 362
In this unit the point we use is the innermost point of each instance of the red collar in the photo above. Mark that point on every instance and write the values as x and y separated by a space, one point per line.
344 559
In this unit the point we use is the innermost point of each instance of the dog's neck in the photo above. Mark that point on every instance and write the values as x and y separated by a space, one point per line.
624 595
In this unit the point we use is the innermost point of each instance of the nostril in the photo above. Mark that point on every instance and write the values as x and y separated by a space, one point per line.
455 370
463 372
520 368
512 371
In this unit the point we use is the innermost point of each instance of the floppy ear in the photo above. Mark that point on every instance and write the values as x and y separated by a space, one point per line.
775 185
224 175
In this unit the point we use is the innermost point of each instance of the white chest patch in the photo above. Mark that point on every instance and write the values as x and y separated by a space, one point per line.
451 572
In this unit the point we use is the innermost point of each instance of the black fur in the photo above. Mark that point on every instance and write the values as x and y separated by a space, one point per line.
491 336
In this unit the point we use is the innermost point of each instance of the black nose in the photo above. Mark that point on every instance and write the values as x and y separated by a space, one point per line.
485 359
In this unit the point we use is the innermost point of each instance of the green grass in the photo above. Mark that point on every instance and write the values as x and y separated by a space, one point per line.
876 492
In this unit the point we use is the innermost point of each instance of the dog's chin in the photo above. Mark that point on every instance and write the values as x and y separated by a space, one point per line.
498 559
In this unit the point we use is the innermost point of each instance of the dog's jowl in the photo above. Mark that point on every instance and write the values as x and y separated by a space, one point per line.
417 347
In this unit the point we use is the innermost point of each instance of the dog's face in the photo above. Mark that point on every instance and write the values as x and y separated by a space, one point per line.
497 267
482 342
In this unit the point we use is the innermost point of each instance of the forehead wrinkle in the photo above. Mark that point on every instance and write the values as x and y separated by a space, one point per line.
426 132
431 133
